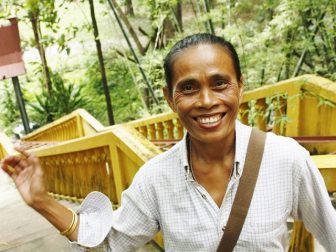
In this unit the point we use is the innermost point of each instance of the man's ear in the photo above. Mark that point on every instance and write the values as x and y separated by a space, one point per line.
168 98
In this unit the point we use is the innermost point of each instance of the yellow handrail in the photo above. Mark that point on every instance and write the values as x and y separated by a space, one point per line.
105 162
77 124
302 106
327 167
165 126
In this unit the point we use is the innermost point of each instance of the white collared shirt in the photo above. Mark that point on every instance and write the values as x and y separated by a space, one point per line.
164 196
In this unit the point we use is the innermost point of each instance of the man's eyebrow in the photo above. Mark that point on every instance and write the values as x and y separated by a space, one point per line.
221 76
185 80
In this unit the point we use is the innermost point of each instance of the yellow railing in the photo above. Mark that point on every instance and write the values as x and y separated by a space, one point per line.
164 126
327 167
104 162
302 106
77 124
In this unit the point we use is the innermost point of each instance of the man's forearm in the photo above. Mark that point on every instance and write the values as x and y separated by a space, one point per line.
58 215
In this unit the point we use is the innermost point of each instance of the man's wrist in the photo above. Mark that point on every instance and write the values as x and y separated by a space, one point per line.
42 203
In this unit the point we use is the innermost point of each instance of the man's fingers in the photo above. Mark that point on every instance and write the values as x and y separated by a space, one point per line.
19 163
11 160
9 170
23 151
30 157
16 162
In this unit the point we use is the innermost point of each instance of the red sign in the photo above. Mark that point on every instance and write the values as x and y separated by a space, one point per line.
11 63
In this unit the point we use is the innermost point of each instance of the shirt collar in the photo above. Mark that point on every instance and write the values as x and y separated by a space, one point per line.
184 151
242 136
243 133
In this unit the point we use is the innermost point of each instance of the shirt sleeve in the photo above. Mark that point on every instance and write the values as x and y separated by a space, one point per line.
95 222
125 229
312 203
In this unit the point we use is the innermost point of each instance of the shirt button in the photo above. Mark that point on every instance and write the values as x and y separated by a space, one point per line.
204 196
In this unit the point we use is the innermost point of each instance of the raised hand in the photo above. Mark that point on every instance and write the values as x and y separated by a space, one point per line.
27 175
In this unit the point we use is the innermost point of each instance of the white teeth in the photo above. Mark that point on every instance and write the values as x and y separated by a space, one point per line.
209 120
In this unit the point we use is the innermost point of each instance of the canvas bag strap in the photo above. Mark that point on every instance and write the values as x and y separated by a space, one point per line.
245 190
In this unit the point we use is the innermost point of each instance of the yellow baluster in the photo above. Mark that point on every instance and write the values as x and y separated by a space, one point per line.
301 239
261 109
170 129
244 112
152 132
160 129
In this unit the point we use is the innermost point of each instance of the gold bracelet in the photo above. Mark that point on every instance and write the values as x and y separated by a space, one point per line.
72 226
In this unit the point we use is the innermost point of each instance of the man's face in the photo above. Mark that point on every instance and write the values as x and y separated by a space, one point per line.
205 92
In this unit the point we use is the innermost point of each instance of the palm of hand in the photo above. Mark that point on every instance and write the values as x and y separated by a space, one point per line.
30 185
27 175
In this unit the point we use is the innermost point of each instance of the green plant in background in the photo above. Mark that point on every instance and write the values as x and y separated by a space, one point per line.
253 113
325 102
8 107
124 90
275 113
322 101
64 99
275 40
152 65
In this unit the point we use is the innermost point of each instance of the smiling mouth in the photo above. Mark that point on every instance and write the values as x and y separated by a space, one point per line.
209 120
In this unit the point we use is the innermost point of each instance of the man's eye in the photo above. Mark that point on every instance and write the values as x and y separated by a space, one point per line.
188 87
221 83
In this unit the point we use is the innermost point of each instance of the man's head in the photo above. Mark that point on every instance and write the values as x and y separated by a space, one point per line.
193 40
204 86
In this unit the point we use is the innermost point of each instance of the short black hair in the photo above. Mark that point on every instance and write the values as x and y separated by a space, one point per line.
193 40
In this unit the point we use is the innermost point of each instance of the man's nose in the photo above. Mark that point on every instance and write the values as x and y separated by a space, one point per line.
207 98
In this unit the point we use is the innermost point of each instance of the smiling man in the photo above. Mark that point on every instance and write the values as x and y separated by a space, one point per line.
205 94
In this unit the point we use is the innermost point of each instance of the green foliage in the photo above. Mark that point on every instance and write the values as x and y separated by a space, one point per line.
124 90
275 40
64 99
152 65
9 111
274 115
322 101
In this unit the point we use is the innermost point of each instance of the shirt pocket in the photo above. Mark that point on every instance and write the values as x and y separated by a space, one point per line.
265 231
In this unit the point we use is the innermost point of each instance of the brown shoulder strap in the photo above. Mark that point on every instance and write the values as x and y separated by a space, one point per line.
245 190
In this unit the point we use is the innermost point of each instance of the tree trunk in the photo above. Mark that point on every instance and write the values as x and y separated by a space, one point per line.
207 9
288 54
129 27
101 64
133 53
199 11
129 8
37 35
177 11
